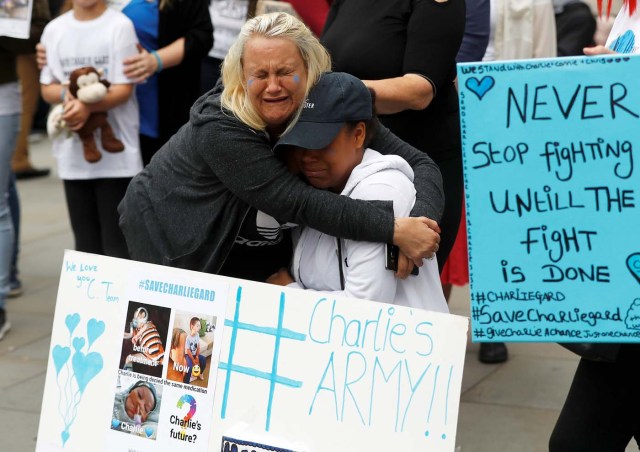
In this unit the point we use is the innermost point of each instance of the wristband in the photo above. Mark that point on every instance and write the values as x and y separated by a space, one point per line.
62 93
159 60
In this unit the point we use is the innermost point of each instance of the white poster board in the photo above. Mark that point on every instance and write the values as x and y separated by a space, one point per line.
15 18
285 370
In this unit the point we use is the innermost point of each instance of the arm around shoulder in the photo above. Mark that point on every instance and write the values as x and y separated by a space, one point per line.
427 177
243 161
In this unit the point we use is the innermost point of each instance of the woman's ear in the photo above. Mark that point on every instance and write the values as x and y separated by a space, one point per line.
360 133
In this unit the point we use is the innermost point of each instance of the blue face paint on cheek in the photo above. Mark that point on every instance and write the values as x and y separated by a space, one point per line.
296 78
250 82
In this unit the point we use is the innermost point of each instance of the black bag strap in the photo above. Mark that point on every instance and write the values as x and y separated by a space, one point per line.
340 263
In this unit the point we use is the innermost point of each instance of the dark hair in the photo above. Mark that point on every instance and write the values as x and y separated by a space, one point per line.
194 320
371 125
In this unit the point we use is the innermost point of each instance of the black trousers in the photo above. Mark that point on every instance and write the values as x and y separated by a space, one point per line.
601 411
93 211
575 27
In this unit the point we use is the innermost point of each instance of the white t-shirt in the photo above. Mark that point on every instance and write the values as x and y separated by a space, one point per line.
625 34
227 17
103 43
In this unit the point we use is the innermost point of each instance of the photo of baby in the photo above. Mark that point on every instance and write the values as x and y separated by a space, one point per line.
144 339
136 407
191 347
14 9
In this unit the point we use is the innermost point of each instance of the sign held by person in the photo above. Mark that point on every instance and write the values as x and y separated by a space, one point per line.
145 357
550 151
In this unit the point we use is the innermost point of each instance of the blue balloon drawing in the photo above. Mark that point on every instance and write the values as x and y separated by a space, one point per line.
95 328
75 369
72 321
480 87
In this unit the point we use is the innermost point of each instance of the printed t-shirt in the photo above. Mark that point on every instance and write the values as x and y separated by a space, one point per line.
103 43
262 247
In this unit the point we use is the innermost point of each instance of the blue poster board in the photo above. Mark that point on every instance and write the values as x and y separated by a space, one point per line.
551 152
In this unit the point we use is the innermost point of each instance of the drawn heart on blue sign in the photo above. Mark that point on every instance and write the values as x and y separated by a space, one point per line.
633 264
480 87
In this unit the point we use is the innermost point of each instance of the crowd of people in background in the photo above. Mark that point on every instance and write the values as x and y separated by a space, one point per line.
208 103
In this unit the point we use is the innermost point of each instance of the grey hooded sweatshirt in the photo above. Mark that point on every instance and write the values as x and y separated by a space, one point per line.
186 207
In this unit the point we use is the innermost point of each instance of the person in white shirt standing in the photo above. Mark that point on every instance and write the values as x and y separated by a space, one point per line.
91 34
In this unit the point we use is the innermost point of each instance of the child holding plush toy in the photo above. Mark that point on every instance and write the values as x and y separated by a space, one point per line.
100 152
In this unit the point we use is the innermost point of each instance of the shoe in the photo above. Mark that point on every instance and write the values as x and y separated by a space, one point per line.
493 352
31 173
15 288
5 326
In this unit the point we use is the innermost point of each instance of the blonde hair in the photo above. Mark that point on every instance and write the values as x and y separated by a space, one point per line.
164 4
275 25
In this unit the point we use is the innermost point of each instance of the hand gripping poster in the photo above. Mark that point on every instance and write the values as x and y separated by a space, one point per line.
151 358
550 151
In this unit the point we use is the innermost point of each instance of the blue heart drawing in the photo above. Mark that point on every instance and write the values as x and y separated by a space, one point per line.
633 264
95 328
60 357
72 321
65 436
115 423
624 43
480 87
632 320
78 343
148 431
86 367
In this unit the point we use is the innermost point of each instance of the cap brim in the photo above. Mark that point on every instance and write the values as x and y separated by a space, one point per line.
310 135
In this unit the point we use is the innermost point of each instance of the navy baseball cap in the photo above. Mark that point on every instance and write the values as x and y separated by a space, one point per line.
337 98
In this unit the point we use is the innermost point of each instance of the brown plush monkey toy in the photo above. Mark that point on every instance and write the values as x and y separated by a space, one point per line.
86 86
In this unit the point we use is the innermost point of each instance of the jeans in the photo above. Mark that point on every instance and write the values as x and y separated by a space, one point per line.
14 207
93 211
202 362
9 126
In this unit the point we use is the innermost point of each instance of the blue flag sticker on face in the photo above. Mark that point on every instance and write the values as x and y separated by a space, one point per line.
552 194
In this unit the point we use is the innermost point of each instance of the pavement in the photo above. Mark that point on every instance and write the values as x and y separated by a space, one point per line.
504 407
